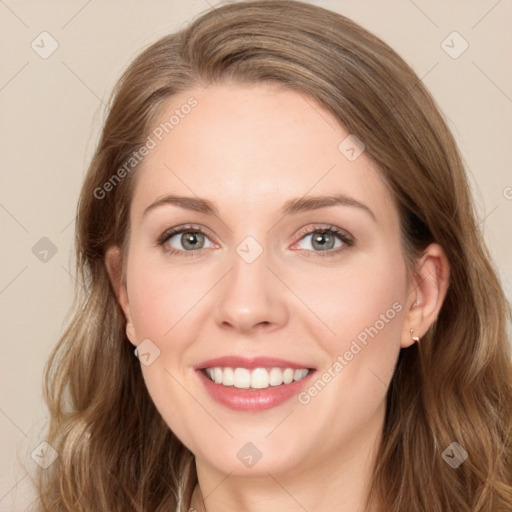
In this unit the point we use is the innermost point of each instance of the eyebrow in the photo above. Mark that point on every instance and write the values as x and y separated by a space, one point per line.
290 207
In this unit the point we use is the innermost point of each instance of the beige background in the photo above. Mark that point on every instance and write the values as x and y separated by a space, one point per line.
51 110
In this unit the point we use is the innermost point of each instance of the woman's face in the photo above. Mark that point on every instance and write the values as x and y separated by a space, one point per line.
258 284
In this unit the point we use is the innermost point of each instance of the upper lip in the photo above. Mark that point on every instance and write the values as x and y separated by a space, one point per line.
250 362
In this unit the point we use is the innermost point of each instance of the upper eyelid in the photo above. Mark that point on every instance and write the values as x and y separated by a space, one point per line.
319 227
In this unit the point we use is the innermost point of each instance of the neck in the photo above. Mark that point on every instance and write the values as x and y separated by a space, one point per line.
343 480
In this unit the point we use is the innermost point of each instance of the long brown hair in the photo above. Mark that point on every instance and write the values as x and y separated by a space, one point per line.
115 451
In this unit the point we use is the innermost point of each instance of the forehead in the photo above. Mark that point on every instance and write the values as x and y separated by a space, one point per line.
253 146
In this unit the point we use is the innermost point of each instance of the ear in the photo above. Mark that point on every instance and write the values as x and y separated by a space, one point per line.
426 293
114 264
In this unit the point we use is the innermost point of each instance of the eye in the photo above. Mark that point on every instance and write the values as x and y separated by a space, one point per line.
187 240
326 239
183 240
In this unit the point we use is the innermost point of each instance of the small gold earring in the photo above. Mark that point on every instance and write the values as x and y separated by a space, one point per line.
415 338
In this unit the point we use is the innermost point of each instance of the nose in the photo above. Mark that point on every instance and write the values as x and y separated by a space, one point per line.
251 297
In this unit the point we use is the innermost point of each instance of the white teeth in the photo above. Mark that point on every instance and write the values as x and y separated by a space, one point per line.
276 377
300 374
242 378
228 377
288 375
217 375
258 378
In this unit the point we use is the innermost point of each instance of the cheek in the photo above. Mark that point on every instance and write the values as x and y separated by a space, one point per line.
372 326
364 307
162 305
369 306
360 301
161 298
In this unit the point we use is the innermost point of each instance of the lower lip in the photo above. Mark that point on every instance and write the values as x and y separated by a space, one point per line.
253 399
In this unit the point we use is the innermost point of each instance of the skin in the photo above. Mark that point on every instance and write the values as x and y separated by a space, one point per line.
250 149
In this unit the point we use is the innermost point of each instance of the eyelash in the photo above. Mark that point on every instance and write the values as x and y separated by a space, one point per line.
347 240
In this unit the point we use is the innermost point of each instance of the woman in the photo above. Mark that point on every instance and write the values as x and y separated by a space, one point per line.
290 305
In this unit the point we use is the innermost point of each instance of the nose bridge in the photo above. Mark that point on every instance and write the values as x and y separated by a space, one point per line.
250 293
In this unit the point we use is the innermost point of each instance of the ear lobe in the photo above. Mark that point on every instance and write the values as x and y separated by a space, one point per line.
426 293
114 265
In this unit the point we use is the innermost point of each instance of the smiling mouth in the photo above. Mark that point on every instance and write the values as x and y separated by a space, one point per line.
257 378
